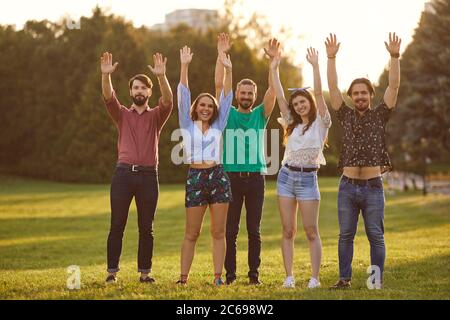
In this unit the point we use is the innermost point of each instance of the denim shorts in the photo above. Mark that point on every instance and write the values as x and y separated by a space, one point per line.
207 186
296 184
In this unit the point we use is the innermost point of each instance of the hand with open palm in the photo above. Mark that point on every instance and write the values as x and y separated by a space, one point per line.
332 46
223 43
394 44
313 56
186 55
160 65
106 64
272 49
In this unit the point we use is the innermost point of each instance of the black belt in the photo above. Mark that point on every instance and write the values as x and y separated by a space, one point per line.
360 182
301 169
136 168
243 174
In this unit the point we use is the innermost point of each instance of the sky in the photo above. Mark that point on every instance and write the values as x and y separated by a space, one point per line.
361 26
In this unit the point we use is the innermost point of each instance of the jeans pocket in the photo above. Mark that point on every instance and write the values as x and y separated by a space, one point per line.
283 176
376 184
121 172
343 185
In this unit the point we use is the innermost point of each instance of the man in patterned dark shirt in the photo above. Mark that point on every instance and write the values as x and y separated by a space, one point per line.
363 159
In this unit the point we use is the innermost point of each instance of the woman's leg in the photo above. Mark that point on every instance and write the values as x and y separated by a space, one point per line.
194 220
288 209
309 210
218 226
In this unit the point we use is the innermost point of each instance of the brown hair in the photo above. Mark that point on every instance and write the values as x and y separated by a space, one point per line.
247 82
297 119
193 113
363 81
142 78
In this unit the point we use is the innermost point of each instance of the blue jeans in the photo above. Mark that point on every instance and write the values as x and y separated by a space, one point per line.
248 190
369 199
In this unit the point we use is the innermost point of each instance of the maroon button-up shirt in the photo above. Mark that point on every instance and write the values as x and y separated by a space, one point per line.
138 133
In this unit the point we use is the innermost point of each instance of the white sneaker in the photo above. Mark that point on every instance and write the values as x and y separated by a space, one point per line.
289 282
313 283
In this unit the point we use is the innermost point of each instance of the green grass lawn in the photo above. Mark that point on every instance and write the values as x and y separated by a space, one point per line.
46 227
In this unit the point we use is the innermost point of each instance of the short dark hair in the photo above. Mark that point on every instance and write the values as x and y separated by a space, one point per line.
363 81
142 78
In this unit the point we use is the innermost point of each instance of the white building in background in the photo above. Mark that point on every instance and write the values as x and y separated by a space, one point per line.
429 7
199 19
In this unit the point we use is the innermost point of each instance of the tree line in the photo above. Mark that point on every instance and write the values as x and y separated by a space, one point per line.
55 126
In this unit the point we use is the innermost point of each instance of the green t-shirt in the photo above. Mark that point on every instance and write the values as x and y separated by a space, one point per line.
244 141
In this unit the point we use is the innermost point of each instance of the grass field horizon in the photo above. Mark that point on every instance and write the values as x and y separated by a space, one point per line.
46 227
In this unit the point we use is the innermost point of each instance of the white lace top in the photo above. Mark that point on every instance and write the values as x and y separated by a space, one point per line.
306 150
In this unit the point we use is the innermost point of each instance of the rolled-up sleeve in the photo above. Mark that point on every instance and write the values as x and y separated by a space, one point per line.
224 108
184 106
384 111
114 107
325 121
343 112
164 112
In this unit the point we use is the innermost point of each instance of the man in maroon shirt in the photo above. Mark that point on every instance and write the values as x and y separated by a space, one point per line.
136 171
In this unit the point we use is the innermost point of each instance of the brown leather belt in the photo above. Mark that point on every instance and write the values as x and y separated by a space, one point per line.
301 169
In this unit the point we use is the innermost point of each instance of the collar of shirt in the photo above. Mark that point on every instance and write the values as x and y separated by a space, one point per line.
133 108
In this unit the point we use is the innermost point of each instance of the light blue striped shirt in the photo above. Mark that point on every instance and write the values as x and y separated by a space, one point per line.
201 146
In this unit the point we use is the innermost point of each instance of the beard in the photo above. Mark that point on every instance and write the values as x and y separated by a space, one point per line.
361 105
245 104
140 100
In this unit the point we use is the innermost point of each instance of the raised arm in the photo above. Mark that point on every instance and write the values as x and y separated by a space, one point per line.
185 59
184 95
332 47
159 70
313 59
269 98
223 46
282 103
390 96
107 68
225 60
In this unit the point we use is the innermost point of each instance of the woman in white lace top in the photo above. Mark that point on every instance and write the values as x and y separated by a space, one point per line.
305 121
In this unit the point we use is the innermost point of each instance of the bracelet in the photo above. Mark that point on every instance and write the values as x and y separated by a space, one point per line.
331 57
395 55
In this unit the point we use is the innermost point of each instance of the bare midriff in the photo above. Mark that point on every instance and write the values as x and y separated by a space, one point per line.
203 165
363 173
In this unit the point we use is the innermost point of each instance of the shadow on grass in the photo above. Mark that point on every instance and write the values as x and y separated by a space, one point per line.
62 241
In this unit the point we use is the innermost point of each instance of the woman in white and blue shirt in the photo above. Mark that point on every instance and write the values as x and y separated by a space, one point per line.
207 185
306 122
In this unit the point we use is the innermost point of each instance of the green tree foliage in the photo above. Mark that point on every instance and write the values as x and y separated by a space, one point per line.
420 127
54 123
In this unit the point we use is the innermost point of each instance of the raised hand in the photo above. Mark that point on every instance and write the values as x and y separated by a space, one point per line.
223 43
226 60
106 63
272 49
313 56
332 46
275 62
160 65
394 44
186 55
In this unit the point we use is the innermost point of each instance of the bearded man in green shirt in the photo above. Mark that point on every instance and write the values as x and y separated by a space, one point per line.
244 162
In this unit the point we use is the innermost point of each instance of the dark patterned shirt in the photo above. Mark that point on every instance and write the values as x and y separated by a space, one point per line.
363 142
